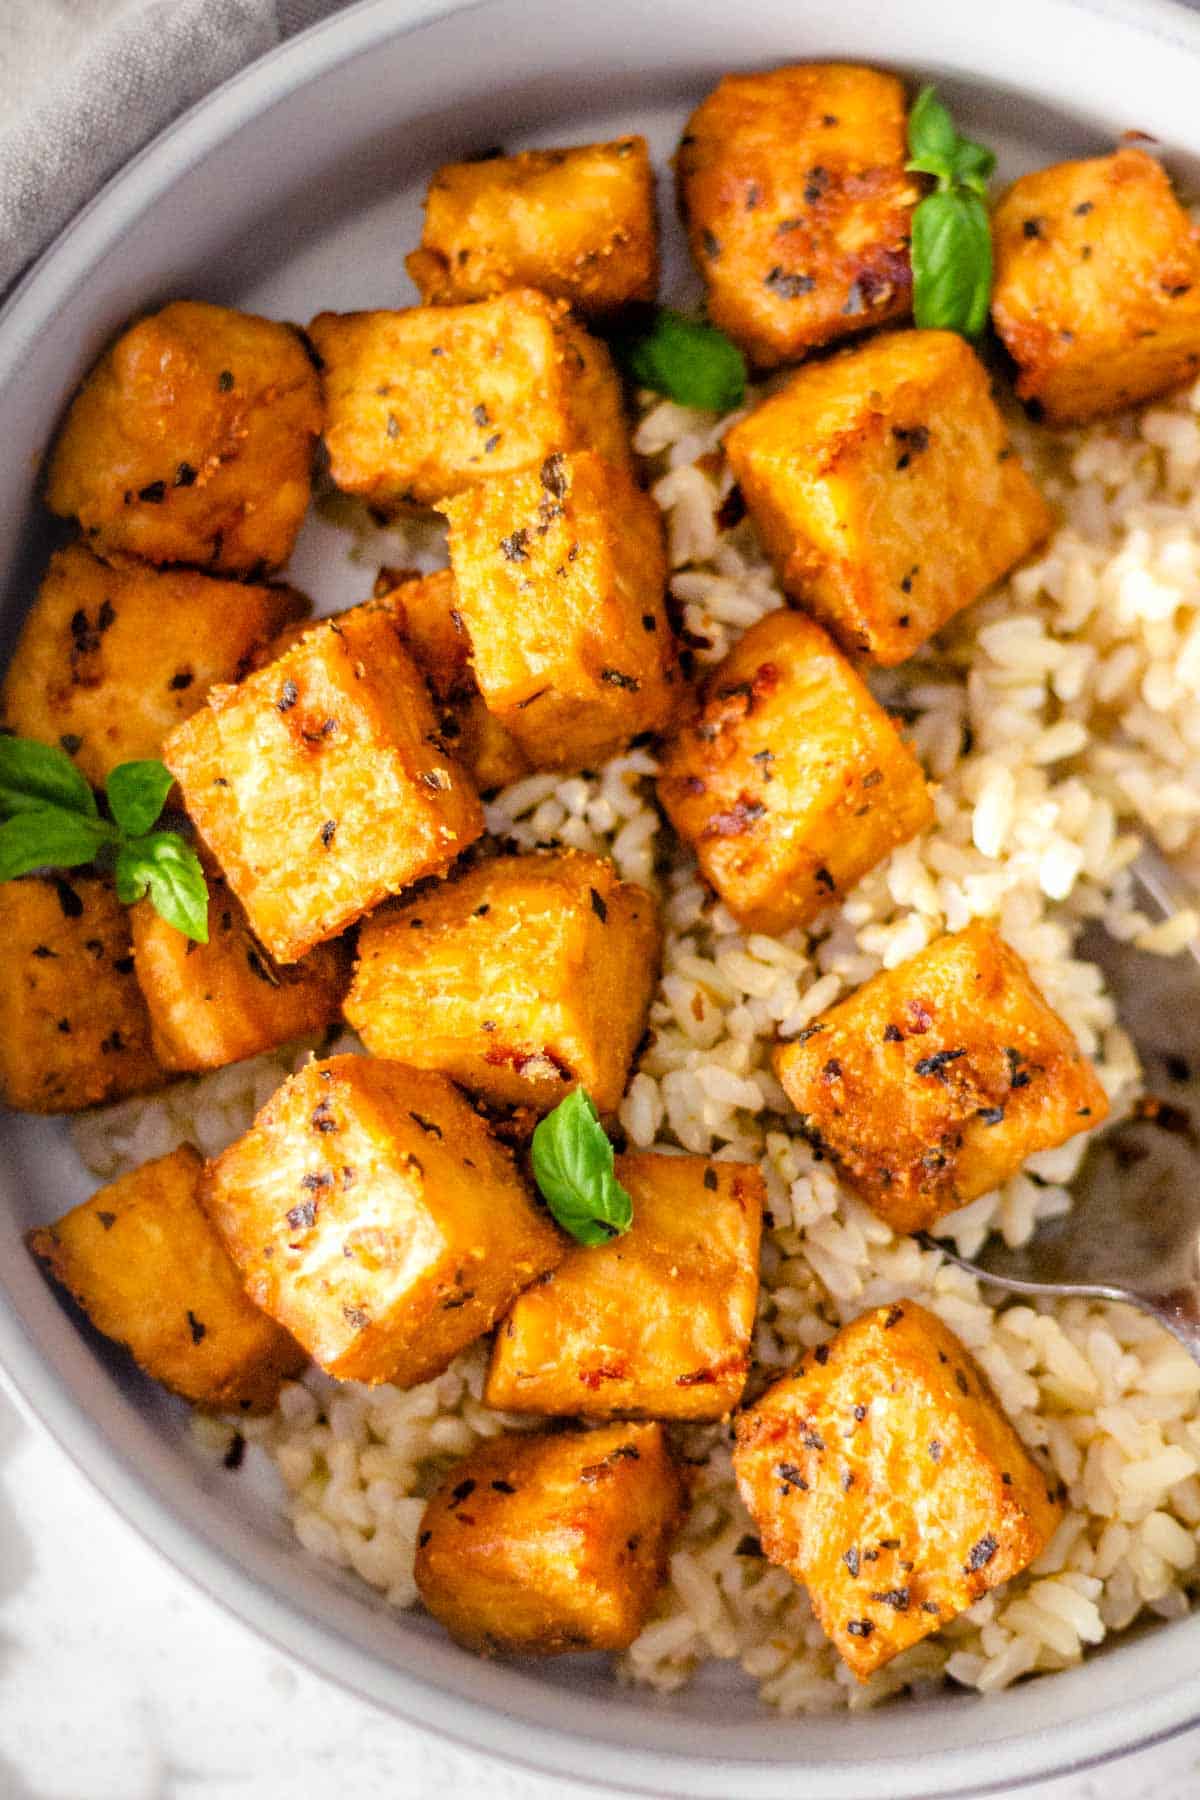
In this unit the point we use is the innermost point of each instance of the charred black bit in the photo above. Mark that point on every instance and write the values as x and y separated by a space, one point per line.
897 1598
42 951
892 1034
914 439
225 381
356 1316
860 1628
197 1328
289 693
181 680
493 443
1084 208
1031 228
847 1480
850 1558
326 832
426 1125
935 1064
423 1539
554 479
889 1543
811 1439
787 286
1178 1068
710 1180
980 1554
991 1115
480 414
315 1182
235 1453
393 426
748 1546
825 880
935 1449
107 1219
302 1217
930 1606
1006 1478
616 678
598 905
649 622
185 475
258 965
1018 1077
895 1314
155 492
790 1477
463 1491
860 1413
832 1069
961 1383
712 248
513 547
821 1355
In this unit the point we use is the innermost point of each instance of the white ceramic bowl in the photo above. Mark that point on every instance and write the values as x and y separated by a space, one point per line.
297 187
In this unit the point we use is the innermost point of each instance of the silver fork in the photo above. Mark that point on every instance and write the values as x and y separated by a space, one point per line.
1133 1232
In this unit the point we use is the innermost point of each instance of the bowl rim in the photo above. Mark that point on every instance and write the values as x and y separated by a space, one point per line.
471 1723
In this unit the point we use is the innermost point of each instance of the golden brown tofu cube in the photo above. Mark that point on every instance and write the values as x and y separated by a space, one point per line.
111 659
426 611
934 1082
373 1214
792 781
220 1002
435 399
656 1323
886 491
883 1474
74 1030
320 784
577 224
798 207
525 977
537 1545
148 1269
191 441
1097 291
561 574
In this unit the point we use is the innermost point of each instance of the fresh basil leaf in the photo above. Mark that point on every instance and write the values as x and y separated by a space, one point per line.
33 776
952 263
136 794
973 167
573 1167
693 363
164 866
51 838
932 139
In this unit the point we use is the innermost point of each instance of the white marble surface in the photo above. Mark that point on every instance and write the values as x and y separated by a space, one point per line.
118 1681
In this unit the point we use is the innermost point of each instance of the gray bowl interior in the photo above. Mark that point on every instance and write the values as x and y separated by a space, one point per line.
297 188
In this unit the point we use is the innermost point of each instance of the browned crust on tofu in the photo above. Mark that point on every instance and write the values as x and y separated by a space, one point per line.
536 1545
934 1082
883 1475
655 1324
520 979
191 441
798 207
148 1269
577 224
374 1216
112 658
791 782
1097 290
74 1030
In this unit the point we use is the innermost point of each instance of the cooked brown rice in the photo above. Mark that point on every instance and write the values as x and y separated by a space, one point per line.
1061 718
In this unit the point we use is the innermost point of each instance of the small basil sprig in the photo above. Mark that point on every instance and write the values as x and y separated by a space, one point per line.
51 821
693 363
573 1167
951 233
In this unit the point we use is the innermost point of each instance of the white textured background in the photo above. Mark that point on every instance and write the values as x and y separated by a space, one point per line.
118 1681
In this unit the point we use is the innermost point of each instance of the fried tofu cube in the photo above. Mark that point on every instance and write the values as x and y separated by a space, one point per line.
111 659
220 1002
791 782
429 401
148 1269
74 1030
1097 290
656 1323
577 224
426 611
798 207
192 441
933 1083
320 784
561 574
523 978
883 1474
373 1214
886 491
535 1545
